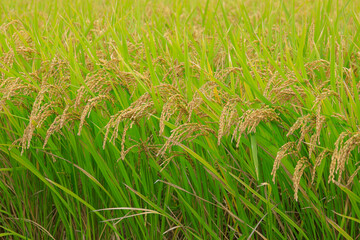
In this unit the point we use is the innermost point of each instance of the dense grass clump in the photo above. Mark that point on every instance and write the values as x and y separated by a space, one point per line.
179 119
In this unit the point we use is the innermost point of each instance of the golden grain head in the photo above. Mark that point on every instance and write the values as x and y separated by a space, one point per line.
283 91
228 117
91 103
248 122
301 165
309 124
143 107
352 177
345 151
318 161
185 132
175 105
99 82
325 93
336 155
58 124
315 138
285 150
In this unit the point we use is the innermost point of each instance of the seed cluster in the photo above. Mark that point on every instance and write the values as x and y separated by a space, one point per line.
188 100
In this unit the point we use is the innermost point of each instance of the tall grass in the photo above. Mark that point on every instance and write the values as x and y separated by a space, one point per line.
179 119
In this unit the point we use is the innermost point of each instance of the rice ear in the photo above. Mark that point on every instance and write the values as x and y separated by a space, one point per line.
248 122
301 165
185 132
139 109
175 104
285 150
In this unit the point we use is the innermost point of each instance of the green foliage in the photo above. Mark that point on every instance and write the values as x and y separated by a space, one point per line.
179 119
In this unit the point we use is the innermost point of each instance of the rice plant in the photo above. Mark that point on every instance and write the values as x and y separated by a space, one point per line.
184 119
